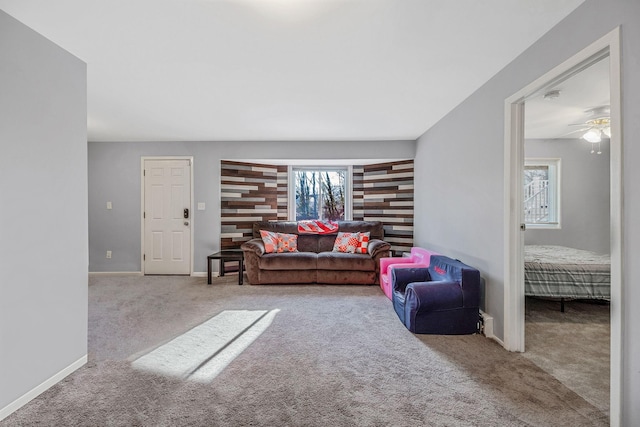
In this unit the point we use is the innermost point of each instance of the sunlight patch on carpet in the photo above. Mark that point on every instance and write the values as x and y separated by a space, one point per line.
201 353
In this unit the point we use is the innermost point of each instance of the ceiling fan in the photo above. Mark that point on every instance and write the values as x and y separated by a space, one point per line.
596 128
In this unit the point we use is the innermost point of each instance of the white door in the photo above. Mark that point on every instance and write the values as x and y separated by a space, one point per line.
167 217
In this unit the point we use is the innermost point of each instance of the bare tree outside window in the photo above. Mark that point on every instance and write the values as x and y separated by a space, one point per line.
320 194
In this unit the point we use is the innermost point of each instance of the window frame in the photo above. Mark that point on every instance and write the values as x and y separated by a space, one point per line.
291 196
555 199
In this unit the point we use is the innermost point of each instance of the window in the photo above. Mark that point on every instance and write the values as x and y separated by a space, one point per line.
541 193
320 193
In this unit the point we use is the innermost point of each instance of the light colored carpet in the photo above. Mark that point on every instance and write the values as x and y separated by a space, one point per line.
331 356
573 346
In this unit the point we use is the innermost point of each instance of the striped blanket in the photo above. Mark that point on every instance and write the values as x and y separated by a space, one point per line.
557 271
315 226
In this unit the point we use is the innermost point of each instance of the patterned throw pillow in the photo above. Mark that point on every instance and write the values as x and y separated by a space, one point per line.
270 240
346 242
279 242
363 243
287 242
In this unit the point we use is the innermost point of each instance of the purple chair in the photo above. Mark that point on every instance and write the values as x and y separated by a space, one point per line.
441 299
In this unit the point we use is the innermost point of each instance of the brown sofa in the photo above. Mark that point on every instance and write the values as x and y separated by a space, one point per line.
315 261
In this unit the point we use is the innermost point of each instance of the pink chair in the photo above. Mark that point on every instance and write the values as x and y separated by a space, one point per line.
418 258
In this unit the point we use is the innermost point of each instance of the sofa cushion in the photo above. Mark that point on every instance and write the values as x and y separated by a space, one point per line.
288 261
345 261
308 243
325 243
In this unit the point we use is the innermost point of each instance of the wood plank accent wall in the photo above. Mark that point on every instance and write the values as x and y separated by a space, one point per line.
249 192
384 192
253 192
357 193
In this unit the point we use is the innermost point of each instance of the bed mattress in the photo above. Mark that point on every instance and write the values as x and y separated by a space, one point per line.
562 272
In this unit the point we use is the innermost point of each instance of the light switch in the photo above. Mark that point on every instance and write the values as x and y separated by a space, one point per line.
109 205
200 206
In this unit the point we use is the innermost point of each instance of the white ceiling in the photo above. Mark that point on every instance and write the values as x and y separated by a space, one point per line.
229 70
581 97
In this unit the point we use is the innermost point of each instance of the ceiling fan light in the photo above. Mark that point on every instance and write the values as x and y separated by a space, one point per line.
592 135
607 131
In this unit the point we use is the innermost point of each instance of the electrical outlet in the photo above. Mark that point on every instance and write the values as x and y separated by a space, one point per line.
108 254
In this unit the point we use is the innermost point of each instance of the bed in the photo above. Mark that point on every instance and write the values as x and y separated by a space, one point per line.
566 273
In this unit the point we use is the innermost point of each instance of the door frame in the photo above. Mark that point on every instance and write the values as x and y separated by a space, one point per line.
513 216
142 195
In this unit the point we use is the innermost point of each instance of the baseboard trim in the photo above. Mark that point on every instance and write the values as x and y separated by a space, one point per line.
487 324
35 392
499 341
204 274
139 273
115 273
487 328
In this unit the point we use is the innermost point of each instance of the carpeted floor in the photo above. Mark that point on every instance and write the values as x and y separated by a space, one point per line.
573 346
332 356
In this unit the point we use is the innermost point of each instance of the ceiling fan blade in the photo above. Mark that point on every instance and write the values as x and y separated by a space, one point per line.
573 131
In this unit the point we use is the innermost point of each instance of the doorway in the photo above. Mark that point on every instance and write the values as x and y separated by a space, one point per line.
166 208
514 300
567 236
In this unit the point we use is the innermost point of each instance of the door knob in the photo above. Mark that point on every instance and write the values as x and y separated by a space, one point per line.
186 223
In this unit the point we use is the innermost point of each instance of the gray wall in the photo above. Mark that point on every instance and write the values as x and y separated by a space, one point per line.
114 175
460 170
584 200
43 220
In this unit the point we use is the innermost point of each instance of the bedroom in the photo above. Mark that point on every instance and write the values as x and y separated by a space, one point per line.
567 238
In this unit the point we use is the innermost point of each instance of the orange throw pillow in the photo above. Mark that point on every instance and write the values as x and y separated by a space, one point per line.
279 242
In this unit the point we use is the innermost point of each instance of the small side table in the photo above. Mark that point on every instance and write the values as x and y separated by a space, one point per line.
225 256
400 254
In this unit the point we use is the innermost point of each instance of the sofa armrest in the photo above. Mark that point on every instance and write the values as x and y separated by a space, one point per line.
405 265
401 277
254 245
386 262
378 247
431 296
